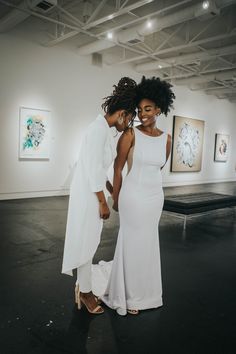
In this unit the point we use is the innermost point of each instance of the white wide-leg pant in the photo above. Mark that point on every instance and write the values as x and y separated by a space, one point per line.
84 277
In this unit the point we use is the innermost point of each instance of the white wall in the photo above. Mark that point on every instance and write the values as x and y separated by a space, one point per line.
219 117
59 80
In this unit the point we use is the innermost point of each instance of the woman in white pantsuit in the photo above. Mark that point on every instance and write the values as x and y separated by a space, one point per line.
135 280
87 204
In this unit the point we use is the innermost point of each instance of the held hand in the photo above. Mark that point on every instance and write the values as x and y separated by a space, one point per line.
104 210
115 206
109 187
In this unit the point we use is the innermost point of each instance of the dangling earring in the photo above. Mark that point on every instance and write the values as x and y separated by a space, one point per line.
120 120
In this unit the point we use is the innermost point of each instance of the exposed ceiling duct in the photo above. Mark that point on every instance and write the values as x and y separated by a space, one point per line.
186 59
169 38
157 24
226 75
18 15
223 90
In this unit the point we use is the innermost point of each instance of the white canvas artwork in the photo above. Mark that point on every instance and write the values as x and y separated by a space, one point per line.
221 147
187 144
34 133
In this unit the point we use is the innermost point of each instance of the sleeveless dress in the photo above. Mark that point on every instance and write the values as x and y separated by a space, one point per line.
135 279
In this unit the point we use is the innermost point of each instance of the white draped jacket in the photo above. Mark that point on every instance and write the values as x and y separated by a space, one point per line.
84 225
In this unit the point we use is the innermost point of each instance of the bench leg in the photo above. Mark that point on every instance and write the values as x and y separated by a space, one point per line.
185 221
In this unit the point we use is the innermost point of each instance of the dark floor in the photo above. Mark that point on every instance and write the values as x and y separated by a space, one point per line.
37 313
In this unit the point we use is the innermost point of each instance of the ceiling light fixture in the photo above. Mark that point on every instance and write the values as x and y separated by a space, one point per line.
160 66
205 5
149 24
109 35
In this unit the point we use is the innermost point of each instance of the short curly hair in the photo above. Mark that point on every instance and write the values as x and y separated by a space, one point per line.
122 97
156 90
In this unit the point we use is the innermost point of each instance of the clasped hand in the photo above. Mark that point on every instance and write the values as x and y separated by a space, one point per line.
104 211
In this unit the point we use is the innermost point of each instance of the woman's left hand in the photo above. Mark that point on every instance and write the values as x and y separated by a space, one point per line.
104 210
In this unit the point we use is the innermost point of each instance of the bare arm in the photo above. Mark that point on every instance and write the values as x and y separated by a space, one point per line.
168 148
103 207
123 147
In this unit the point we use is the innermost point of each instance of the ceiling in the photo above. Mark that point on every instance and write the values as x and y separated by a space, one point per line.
191 43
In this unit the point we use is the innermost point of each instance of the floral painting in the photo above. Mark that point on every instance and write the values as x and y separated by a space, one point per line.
187 144
221 147
34 133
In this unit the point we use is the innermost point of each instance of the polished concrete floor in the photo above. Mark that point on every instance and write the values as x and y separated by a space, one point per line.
37 312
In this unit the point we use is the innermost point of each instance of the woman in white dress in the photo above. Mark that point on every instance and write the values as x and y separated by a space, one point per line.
135 280
87 204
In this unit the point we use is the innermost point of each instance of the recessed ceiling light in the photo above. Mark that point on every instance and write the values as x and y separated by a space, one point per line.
109 35
205 5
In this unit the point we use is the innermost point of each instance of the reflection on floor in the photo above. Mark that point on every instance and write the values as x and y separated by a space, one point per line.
37 312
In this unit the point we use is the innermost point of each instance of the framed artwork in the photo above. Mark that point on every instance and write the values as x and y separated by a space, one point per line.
34 133
187 144
221 147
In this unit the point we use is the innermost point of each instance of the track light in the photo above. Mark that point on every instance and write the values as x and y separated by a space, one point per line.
109 35
205 5
149 24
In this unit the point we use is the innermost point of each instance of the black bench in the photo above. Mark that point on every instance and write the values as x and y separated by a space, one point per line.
193 203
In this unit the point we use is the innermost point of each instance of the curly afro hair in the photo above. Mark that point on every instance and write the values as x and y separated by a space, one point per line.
122 97
156 90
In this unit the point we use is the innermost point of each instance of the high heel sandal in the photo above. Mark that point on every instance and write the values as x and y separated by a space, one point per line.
99 301
96 311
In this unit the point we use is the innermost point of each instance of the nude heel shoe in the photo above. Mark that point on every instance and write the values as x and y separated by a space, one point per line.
98 310
77 299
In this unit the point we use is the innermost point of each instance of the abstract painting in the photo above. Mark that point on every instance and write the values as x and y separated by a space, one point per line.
221 147
34 133
187 145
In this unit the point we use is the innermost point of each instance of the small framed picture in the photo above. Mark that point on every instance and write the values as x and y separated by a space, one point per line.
34 133
221 147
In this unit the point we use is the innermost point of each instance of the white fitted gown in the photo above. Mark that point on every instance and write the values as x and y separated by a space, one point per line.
135 279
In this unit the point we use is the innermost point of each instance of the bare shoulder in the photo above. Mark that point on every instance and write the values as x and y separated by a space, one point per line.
127 136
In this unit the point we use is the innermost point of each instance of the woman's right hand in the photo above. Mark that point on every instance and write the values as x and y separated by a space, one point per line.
104 210
115 206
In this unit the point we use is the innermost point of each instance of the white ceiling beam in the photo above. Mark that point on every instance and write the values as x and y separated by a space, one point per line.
226 96
124 3
222 90
61 38
204 86
145 17
199 74
227 75
52 20
96 11
142 30
16 16
169 37
183 46
120 12
187 58
178 17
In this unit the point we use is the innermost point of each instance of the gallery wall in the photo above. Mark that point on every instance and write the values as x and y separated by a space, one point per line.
58 80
